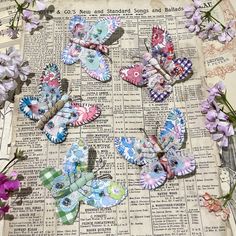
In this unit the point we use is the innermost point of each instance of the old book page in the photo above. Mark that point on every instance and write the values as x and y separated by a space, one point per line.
173 209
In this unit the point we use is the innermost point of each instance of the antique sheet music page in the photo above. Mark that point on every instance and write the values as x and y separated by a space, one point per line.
173 209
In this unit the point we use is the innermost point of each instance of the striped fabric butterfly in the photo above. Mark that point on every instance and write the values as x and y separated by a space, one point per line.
160 157
75 183
54 111
159 70
87 45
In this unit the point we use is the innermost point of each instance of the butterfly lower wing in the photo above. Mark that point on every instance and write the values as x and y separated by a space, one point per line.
152 175
68 207
180 69
94 64
135 151
162 43
172 135
105 193
102 29
76 158
134 74
32 107
181 165
72 114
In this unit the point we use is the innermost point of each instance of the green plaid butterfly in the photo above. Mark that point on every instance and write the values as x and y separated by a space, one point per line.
74 183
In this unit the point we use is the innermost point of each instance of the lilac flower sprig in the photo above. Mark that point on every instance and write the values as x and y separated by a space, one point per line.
9 184
220 115
206 26
13 71
26 12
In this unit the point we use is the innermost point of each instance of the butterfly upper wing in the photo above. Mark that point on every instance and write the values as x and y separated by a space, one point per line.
50 85
162 44
78 26
72 114
49 91
76 158
102 29
135 151
172 135
134 74
105 193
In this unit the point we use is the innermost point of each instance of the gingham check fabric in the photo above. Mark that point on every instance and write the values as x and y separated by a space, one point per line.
48 175
67 217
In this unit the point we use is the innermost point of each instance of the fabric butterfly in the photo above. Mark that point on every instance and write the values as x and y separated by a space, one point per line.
87 45
159 70
160 157
74 184
54 111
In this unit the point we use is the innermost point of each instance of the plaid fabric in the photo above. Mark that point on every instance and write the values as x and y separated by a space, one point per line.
67 217
186 65
157 96
48 175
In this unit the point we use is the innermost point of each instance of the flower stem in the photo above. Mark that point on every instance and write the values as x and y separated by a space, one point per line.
215 5
229 195
8 164
212 17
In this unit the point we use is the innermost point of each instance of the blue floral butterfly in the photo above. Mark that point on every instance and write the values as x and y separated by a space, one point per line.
159 157
75 184
87 45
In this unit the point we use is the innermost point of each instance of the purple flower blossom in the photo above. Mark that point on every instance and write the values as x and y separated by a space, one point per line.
31 21
193 24
12 33
211 31
228 33
40 5
217 89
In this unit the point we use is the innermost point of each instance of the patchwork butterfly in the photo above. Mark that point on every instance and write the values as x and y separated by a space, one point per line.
160 157
87 45
159 70
75 184
54 111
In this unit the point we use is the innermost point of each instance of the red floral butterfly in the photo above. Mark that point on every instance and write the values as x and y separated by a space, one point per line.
159 70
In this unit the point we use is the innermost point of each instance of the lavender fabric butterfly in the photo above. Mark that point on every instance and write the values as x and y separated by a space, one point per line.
54 111
159 70
87 45
160 157
75 184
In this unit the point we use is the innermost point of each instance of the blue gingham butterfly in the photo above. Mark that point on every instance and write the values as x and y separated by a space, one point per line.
160 157
54 111
159 70
75 184
87 45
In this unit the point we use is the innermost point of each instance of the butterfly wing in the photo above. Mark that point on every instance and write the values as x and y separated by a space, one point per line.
135 151
161 43
78 26
152 175
105 193
172 135
102 29
76 158
181 165
134 74
72 114
32 107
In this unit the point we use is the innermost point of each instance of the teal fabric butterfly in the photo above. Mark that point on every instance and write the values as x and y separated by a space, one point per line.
74 184
87 45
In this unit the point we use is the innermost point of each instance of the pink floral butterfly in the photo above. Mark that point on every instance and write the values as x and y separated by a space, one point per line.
54 111
159 70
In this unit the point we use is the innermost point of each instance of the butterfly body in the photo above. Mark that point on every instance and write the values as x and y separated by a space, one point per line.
54 111
87 45
159 157
159 70
74 184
